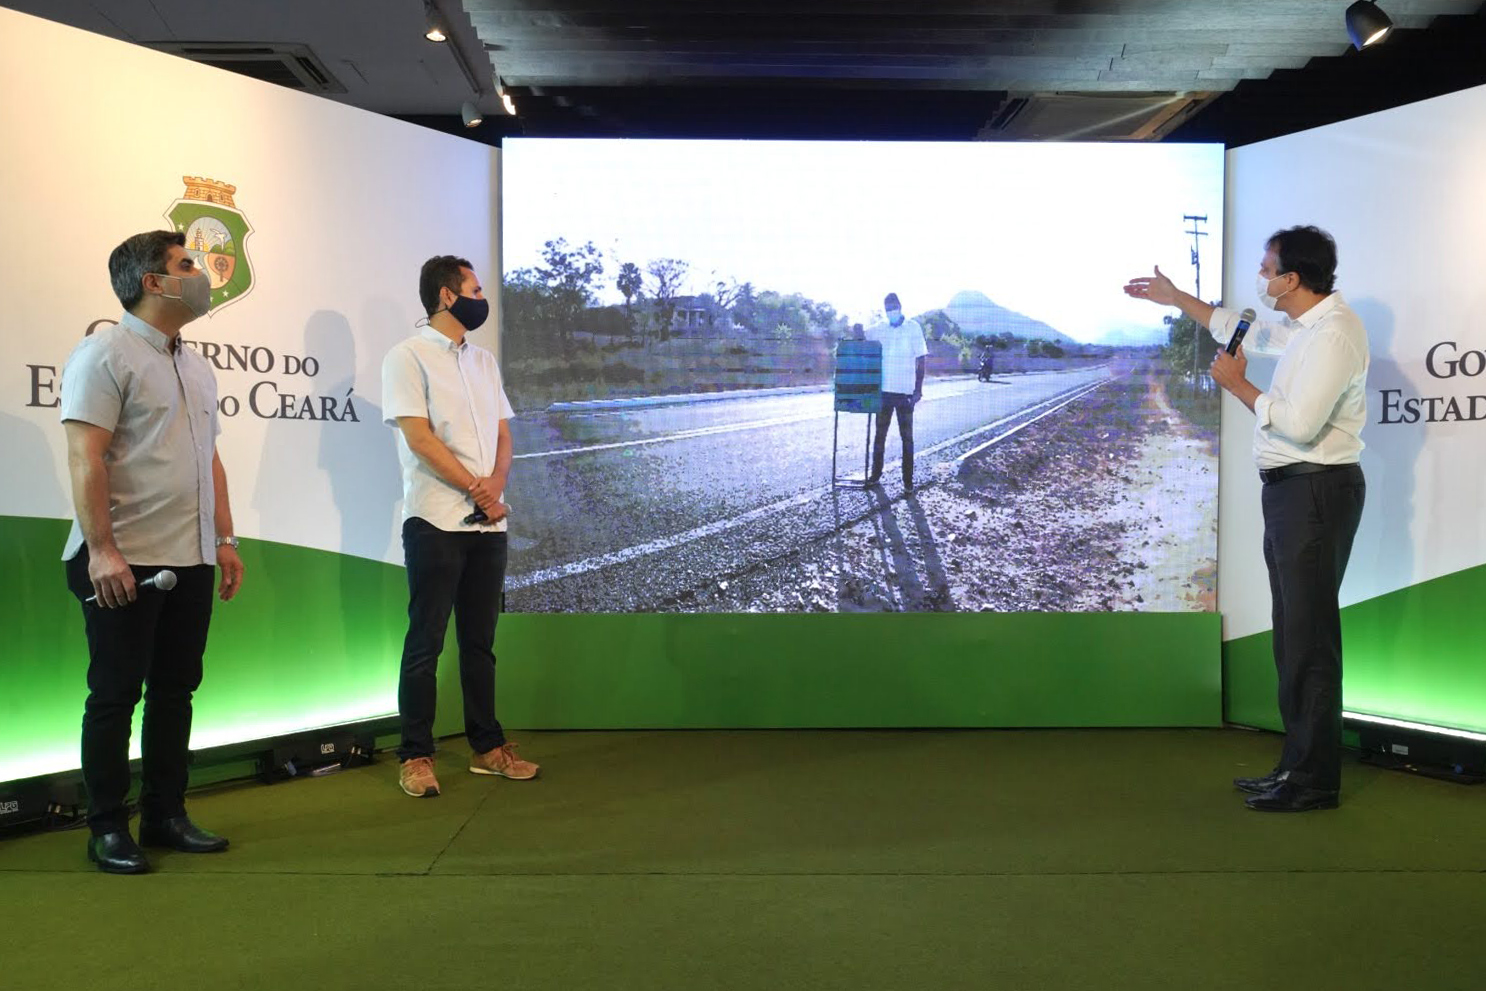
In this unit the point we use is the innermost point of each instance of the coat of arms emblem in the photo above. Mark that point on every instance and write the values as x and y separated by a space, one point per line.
216 232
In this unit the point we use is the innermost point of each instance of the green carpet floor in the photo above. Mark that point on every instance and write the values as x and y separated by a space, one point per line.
961 859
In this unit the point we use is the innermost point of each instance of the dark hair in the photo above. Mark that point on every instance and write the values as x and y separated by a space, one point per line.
891 299
137 257
1310 253
440 272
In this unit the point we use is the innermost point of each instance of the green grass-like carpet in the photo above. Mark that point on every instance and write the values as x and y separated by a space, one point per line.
821 859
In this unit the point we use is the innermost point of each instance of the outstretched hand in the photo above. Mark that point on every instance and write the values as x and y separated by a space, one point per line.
1157 288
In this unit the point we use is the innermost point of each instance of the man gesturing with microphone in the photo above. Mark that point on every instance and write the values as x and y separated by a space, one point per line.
140 411
445 397
1307 441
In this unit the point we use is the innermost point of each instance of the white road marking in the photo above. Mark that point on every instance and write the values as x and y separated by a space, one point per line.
722 428
719 526
1000 437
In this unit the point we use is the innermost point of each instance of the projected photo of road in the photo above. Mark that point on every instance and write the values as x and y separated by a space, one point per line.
671 314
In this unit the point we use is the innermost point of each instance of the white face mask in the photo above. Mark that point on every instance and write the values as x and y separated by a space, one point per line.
1261 286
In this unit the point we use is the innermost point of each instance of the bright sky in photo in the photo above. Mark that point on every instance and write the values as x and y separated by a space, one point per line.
1051 230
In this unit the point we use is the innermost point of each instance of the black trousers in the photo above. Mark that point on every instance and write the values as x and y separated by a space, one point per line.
465 573
153 646
1309 523
902 404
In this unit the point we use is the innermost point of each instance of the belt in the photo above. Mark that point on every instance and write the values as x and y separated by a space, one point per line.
1270 475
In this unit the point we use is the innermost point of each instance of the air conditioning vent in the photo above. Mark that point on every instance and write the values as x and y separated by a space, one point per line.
1090 116
1006 113
294 66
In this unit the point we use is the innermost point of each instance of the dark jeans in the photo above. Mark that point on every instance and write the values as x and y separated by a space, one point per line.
465 573
1309 523
152 646
902 403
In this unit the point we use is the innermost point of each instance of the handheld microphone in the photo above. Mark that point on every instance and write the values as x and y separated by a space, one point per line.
478 516
163 580
1244 319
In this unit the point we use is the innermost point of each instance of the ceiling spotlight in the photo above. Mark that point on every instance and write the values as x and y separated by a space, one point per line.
1367 24
505 101
505 98
471 114
433 23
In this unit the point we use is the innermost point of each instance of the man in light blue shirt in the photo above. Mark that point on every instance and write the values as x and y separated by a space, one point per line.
140 411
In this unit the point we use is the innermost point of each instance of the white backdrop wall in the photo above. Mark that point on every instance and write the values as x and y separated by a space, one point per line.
344 207
1403 193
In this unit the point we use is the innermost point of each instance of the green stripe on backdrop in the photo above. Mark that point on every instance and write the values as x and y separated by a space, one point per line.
914 669
1411 654
315 639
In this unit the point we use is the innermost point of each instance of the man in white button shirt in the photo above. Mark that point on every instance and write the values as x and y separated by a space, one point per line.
444 395
903 351
1307 441
150 493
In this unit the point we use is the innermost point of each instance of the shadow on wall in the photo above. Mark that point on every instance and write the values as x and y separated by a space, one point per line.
354 460
34 467
356 457
360 459
1384 549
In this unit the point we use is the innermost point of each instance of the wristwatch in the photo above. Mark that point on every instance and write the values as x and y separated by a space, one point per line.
229 541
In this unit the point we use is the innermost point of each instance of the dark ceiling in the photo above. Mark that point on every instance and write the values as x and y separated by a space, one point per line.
937 69
1233 71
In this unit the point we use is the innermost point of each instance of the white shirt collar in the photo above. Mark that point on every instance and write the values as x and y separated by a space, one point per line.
431 333
1312 316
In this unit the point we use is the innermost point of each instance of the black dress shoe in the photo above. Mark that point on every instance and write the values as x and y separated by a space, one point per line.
181 834
117 853
1290 797
1258 786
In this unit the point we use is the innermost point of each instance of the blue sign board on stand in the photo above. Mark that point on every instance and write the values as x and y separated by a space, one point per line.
858 377
858 389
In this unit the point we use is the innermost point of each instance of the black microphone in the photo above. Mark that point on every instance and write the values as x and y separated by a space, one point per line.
478 516
1244 319
164 581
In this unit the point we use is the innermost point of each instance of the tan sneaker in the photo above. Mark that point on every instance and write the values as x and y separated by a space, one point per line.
416 778
504 762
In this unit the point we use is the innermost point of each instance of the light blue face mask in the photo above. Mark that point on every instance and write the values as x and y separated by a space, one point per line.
894 317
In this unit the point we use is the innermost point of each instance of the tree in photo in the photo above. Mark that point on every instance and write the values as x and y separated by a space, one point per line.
1183 337
522 312
940 326
667 276
631 285
741 305
568 276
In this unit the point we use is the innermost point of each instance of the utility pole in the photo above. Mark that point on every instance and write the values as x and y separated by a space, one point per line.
1197 235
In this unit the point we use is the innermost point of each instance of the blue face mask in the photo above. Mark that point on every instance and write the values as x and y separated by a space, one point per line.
894 317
